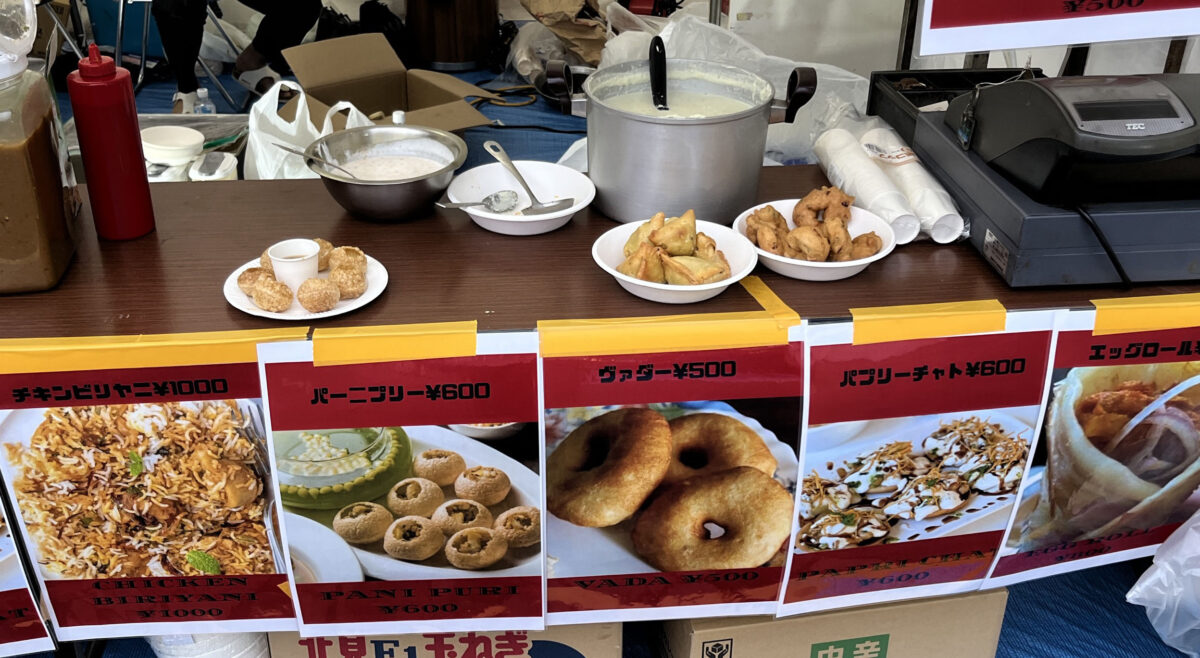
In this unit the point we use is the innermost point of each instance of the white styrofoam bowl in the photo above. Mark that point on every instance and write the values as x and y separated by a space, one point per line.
608 252
548 181
861 221
171 145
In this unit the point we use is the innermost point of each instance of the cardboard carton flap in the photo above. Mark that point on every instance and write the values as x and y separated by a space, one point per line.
343 59
441 88
449 116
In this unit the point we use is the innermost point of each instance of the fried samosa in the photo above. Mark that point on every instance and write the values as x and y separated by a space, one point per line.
645 264
677 236
642 234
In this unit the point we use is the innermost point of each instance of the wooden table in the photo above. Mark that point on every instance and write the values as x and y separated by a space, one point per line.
444 268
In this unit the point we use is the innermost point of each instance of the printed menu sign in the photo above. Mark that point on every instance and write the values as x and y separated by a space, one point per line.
21 627
1118 468
410 488
912 457
669 480
139 476
953 26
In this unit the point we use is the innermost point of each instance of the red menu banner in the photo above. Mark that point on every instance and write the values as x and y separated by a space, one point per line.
913 454
963 14
411 490
143 494
1116 472
954 26
643 449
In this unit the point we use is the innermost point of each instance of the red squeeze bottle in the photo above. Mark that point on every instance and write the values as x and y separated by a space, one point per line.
111 145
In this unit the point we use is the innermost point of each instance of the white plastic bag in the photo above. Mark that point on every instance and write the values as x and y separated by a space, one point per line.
267 128
1170 589
690 37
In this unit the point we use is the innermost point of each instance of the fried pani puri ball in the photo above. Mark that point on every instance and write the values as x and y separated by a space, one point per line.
317 295
248 278
326 247
264 261
271 295
350 282
351 257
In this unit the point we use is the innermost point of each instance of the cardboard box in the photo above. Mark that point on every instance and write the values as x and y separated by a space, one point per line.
364 70
963 626
584 641
46 27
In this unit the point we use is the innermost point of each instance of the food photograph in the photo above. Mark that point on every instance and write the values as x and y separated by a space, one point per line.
688 486
906 479
142 490
1120 451
410 503
10 565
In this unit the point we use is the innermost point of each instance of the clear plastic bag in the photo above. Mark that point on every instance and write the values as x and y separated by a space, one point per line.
1170 589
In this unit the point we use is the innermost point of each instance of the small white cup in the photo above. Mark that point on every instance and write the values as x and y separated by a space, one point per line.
295 261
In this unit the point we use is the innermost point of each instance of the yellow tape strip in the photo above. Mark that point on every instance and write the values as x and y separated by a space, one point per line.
1130 314
661 333
19 355
882 324
770 302
435 340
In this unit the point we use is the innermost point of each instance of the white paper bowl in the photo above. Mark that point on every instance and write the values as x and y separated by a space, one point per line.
171 145
488 433
608 252
861 221
549 182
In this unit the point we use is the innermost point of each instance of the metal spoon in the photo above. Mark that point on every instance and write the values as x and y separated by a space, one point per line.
502 201
536 207
316 159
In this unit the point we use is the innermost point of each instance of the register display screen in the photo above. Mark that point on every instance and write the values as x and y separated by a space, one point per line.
1125 110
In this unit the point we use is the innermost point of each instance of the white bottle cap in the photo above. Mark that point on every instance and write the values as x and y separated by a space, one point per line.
202 93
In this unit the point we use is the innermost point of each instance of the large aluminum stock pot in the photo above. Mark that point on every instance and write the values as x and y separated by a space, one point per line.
643 164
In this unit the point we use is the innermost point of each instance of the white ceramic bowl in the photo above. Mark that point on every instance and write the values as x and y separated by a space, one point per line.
488 432
549 182
861 221
608 252
171 145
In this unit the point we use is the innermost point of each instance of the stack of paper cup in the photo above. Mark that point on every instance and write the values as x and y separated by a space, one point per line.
931 202
849 167
215 645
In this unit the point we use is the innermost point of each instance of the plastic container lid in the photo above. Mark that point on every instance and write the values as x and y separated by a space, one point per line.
16 47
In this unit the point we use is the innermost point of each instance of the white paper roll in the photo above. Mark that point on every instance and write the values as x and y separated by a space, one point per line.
850 168
929 200
214 645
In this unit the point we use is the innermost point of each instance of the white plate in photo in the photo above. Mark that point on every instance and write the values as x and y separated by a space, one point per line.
318 554
526 490
577 551
983 512
377 280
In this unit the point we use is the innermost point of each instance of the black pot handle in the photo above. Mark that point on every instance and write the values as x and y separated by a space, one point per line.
658 72
802 86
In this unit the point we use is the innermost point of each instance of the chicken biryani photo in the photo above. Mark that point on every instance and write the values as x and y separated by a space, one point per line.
122 491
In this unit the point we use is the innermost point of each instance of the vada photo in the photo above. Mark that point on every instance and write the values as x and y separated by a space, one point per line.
1120 452
141 490
406 503
906 479
688 486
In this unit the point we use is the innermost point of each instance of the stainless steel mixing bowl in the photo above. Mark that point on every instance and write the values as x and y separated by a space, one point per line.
387 200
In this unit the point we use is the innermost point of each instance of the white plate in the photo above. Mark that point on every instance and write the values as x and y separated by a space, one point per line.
608 252
991 512
318 553
377 280
861 221
549 181
489 432
609 551
526 490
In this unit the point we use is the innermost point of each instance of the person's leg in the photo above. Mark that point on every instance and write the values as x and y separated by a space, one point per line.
284 24
181 26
